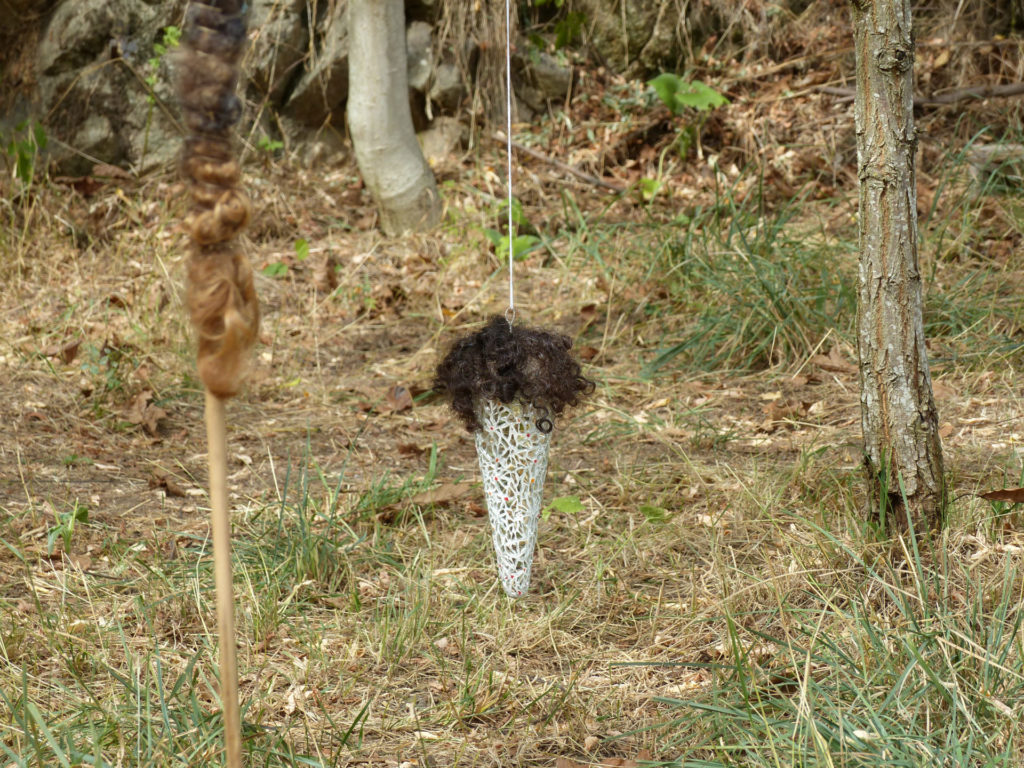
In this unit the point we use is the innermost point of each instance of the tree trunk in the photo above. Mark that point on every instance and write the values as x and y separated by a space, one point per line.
380 122
902 450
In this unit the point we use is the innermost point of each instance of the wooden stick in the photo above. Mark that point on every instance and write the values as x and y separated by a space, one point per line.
220 518
949 97
973 92
571 170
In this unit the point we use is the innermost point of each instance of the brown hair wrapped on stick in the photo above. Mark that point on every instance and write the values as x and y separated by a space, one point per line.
221 297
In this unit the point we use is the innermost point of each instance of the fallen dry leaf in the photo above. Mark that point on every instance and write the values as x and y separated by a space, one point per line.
118 300
161 479
781 411
1016 495
443 494
785 409
398 399
325 273
835 362
66 352
86 186
110 171
141 411
81 562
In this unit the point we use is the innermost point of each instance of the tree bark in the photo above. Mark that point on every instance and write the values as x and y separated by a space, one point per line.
902 450
380 122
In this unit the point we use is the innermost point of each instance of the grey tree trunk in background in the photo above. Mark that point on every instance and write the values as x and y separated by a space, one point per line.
902 450
389 157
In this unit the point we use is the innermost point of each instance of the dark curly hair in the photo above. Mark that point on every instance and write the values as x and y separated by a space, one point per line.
505 362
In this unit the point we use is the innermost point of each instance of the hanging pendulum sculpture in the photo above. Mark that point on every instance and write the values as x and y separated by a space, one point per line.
221 297
513 453
507 383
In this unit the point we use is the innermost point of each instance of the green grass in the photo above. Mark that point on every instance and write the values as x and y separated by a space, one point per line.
712 596
868 665
745 284
759 288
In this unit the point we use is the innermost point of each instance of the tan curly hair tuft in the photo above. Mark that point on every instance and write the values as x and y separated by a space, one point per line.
221 297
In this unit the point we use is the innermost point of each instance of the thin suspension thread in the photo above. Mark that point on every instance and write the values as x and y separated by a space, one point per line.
508 155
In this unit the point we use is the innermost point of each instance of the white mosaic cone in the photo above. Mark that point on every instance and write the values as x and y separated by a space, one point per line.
513 456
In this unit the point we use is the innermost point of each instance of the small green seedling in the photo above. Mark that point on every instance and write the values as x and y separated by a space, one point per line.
64 528
684 97
24 146
170 40
522 245
269 145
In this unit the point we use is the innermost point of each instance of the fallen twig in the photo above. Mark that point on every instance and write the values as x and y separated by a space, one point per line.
949 97
572 170
975 92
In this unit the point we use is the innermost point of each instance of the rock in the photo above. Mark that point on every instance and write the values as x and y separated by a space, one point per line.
88 72
541 79
96 137
22 8
323 87
280 41
440 140
419 54
447 90
106 94
647 35
548 76
320 148
90 32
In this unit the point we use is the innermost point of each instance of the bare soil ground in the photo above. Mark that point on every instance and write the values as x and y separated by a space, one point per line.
696 486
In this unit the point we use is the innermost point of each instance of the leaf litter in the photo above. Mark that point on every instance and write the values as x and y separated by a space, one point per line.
663 473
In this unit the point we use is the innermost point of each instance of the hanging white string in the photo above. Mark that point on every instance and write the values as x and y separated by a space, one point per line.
511 313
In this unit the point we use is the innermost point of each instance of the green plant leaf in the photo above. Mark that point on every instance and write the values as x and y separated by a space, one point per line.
523 245
302 249
495 237
665 85
39 133
699 96
678 94
568 29
649 188
267 144
172 36
654 514
276 269
517 212
567 505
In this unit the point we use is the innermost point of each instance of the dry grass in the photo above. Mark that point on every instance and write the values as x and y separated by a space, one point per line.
717 600
717 512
